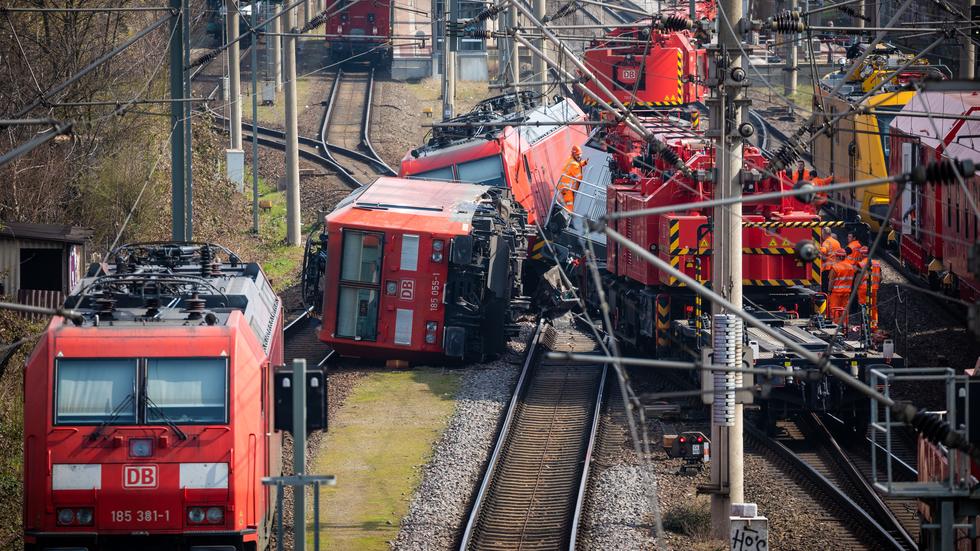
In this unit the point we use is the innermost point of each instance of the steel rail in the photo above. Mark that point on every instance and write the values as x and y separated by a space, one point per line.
566 406
530 354
366 128
822 483
344 172
587 460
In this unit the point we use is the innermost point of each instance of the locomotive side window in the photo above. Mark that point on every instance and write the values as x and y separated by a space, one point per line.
186 390
488 170
360 274
95 391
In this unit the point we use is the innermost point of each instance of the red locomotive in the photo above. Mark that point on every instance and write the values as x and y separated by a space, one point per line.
422 270
527 158
936 226
656 67
149 424
360 29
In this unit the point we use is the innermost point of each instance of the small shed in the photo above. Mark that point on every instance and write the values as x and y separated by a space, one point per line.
41 263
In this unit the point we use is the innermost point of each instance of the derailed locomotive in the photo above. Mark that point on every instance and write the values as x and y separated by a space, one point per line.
420 270
148 421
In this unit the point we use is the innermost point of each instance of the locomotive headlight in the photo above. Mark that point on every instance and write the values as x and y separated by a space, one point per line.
374 30
195 515
84 516
437 257
437 245
140 447
391 288
340 29
430 331
66 516
215 515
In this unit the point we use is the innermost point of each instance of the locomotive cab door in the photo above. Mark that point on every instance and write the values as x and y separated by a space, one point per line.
360 285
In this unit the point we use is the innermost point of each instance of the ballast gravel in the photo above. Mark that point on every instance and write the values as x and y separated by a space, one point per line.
441 503
620 509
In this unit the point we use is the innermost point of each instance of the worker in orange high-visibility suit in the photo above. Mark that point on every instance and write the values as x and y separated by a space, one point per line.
841 281
868 287
853 249
828 255
800 173
820 199
571 177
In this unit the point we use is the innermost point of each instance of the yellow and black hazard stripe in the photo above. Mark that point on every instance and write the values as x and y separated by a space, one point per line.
680 76
821 224
675 262
663 319
695 119
674 236
775 282
745 250
816 267
538 250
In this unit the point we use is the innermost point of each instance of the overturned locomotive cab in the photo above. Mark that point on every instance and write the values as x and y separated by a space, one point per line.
422 270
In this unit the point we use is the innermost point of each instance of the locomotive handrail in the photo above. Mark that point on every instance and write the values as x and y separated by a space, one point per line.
232 256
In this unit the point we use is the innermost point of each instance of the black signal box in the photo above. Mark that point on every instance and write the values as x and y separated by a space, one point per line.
316 400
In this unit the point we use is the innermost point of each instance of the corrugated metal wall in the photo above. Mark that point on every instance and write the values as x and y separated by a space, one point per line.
10 260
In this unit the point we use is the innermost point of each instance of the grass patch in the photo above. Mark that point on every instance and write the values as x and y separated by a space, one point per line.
283 261
276 114
382 435
693 519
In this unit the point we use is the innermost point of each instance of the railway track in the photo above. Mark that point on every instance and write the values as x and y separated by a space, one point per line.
345 128
532 493
828 472
301 341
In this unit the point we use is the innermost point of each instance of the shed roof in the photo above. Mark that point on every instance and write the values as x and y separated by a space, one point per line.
45 232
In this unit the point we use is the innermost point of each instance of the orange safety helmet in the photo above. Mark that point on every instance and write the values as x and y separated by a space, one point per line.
576 150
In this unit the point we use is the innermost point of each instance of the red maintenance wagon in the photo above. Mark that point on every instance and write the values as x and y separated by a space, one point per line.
148 424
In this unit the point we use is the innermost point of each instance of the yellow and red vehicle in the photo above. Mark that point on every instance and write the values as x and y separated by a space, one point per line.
148 423
422 270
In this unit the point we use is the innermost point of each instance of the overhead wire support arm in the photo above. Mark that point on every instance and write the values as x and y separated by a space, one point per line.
43 100
35 142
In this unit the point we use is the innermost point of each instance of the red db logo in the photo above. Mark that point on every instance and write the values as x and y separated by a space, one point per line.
407 291
140 476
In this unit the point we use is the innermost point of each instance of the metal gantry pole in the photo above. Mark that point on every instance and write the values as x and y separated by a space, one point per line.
255 119
177 107
792 63
537 63
293 231
276 41
234 73
726 262
968 59
188 130
299 446
515 50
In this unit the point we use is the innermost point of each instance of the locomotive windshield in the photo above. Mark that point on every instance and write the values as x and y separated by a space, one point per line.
488 170
141 391
96 391
186 390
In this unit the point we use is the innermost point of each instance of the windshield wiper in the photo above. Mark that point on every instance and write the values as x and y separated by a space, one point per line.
163 416
113 416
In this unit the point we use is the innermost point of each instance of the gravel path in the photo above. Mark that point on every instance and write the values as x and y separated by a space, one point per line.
439 507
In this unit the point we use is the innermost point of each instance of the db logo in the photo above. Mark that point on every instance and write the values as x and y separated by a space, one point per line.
407 291
139 476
